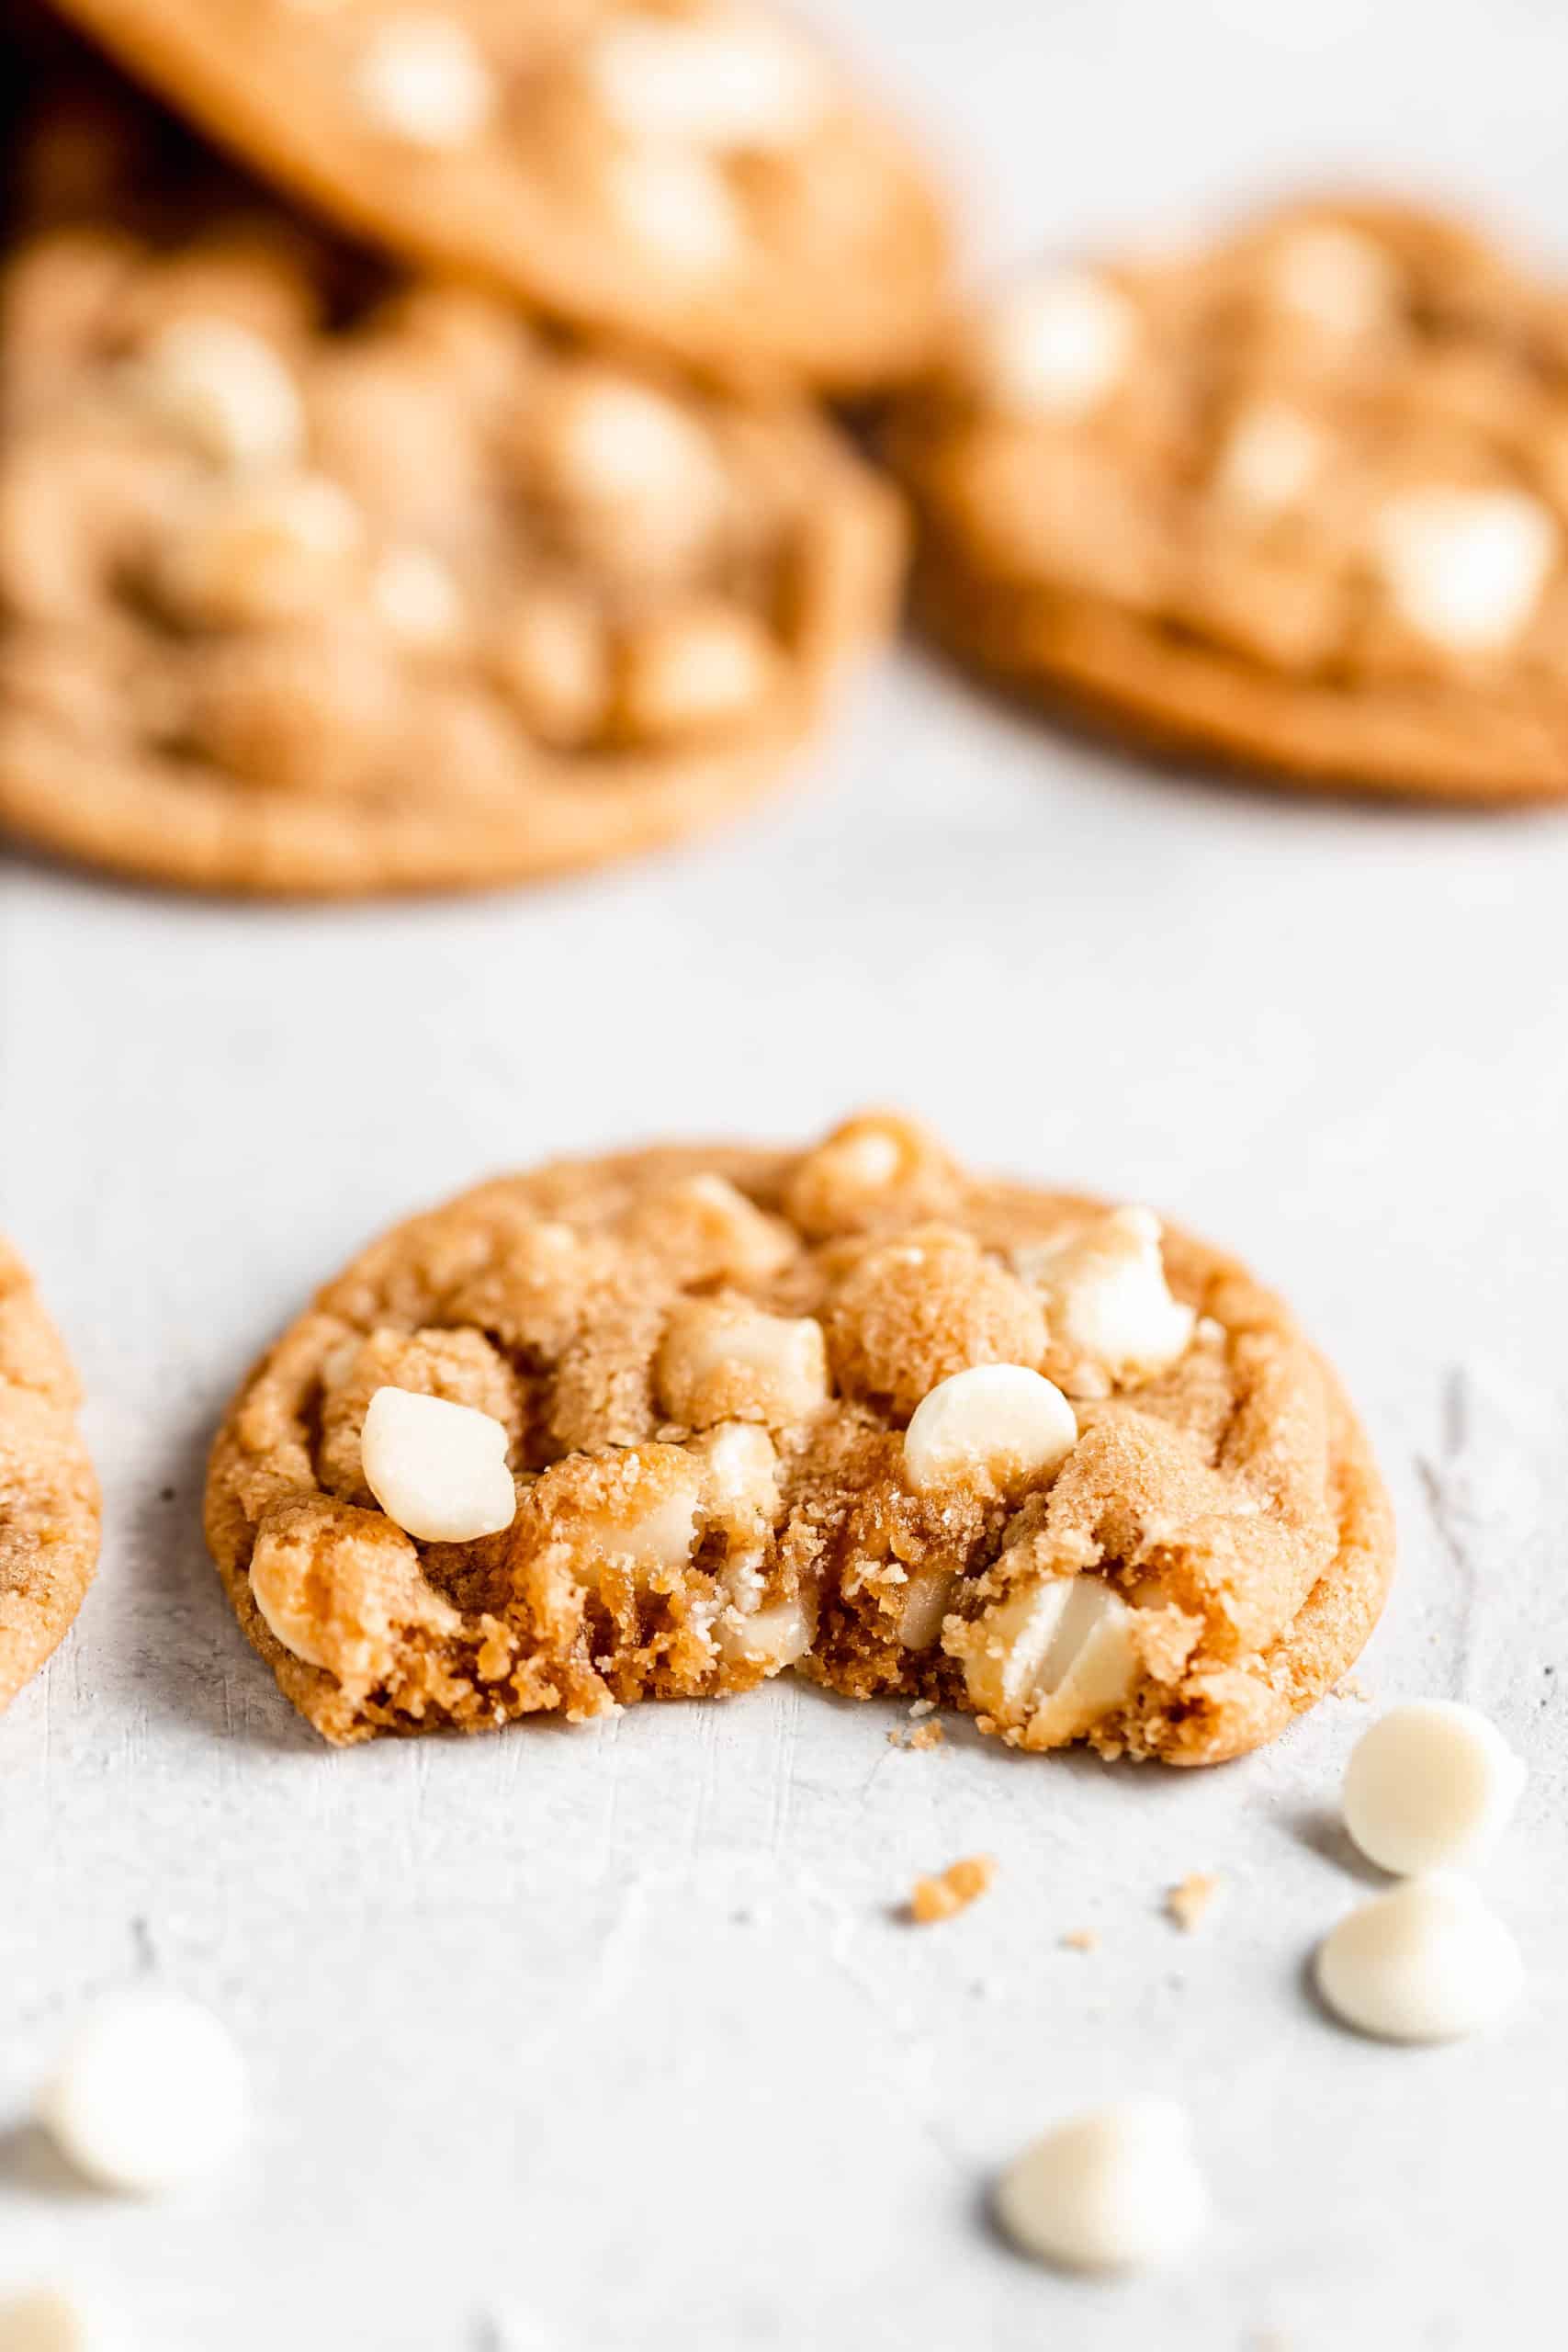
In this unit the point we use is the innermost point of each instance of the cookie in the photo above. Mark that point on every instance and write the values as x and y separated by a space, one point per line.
48 1496
1298 502
315 582
699 177
665 1425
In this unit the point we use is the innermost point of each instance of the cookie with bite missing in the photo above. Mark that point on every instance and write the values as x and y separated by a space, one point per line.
48 1496
316 581
666 1424
1297 502
701 177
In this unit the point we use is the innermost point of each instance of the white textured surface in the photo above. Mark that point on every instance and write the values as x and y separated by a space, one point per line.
610 2040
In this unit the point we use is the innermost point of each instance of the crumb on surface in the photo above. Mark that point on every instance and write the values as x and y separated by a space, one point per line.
922 1707
1351 1686
959 1885
923 1736
1080 1939
1190 1897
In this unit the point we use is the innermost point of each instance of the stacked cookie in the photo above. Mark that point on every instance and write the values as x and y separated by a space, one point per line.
505 542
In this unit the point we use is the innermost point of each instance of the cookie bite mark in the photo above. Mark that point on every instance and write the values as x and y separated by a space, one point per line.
756 1411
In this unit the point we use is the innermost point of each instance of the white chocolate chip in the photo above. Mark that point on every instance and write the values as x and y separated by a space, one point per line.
696 669
423 79
263 550
1054 1658
1000 1421
741 1471
1342 282
1056 345
1114 2189
56 2319
1427 1961
927 1599
728 86
772 1637
677 205
1430 1786
1465 568
225 389
619 442
150 2094
1107 1299
721 1363
438 1470
1269 458
416 595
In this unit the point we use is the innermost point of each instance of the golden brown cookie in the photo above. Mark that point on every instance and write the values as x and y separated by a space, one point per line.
48 1497
311 583
696 176
1298 502
665 1424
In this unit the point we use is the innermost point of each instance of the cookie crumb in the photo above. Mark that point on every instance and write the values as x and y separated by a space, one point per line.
922 1707
959 1884
923 1736
1351 1686
1080 1939
1190 1897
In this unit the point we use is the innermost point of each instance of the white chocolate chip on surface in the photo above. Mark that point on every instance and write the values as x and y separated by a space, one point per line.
416 595
57 2319
1055 346
225 389
150 2094
677 205
1269 458
438 1470
1430 1786
1338 280
1000 1421
1465 568
1107 1299
1427 1961
1114 2189
1052 1658
726 85
422 79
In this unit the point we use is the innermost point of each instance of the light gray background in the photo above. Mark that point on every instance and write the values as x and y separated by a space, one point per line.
610 2039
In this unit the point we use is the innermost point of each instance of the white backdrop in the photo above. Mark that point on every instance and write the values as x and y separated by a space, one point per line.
611 2039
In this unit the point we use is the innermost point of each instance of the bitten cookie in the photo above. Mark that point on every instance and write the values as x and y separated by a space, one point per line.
48 1496
699 177
1297 502
310 587
665 1425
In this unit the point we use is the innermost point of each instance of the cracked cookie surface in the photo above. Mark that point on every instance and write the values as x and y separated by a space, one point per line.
1298 500
48 1496
848 1410
311 582
700 178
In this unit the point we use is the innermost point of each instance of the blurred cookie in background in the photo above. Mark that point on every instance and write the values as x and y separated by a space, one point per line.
315 580
1298 502
702 178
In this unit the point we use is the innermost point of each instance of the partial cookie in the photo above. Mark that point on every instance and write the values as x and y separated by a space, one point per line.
1299 502
48 1496
850 1410
308 589
698 178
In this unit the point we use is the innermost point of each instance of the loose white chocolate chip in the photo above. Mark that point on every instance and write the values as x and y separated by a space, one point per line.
693 670
152 2094
1428 1962
677 204
438 1470
1114 2189
1341 282
1465 568
1107 1299
268 550
226 389
423 79
1269 458
1056 345
728 86
1001 1420
720 1362
416 595
57 2319
1430 1786
1056 1657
